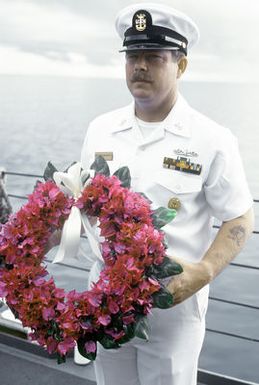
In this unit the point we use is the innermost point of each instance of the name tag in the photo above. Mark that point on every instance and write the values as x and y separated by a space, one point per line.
105 154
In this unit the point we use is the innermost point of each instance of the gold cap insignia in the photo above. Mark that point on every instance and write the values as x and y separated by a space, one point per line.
141 22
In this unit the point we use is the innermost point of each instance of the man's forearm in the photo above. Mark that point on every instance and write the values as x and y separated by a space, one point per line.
229 241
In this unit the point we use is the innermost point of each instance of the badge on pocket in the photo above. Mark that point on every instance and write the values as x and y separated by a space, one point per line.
107 155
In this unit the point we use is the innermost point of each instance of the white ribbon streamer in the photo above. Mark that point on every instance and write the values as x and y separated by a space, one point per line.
92 238
71 183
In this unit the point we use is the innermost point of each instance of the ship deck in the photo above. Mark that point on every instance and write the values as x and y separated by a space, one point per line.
27 364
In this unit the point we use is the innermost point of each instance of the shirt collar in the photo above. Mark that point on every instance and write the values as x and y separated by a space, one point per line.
177 122
127 121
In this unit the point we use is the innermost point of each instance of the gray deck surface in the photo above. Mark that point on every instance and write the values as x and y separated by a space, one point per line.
23 368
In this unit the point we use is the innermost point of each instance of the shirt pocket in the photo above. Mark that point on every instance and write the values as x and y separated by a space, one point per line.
173 184
177 182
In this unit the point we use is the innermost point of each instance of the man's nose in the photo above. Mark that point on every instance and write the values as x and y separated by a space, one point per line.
141 63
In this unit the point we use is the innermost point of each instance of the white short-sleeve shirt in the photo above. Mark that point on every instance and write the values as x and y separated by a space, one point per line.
220 190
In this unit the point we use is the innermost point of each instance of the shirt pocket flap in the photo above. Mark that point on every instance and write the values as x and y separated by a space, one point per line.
179 183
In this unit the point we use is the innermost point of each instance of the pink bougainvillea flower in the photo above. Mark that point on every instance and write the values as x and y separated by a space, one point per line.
3 290
104 319
66 345
90 346
48 314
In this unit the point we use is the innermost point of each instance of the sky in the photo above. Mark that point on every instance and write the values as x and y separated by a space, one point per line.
77 38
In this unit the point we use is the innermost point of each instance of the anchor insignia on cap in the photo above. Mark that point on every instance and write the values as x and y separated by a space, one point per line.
141 22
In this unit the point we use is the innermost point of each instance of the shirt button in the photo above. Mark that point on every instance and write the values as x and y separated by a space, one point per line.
174 203
178 187
179 126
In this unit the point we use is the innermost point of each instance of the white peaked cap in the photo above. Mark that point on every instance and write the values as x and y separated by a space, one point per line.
155 26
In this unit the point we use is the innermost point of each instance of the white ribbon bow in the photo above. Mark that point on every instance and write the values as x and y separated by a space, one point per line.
71 183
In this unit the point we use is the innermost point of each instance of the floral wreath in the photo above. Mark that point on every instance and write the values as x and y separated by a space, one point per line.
114 310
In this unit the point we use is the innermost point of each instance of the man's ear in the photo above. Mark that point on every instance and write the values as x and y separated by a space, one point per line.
182 64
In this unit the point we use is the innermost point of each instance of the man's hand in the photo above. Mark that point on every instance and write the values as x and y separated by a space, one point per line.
192 279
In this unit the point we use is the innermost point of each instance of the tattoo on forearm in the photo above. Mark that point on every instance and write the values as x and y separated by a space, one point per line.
237 234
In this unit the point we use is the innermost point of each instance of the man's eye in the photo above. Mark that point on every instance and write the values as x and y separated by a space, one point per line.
131 57
155 57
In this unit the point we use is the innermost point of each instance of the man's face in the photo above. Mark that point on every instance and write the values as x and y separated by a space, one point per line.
151 75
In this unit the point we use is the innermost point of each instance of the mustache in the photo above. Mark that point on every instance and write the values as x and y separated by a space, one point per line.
139 76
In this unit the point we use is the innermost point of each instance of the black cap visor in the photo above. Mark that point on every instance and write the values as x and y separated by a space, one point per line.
149 47
152 40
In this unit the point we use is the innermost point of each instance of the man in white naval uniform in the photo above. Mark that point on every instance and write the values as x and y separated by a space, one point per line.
182 160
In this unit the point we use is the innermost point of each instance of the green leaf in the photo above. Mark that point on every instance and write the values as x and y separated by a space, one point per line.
129 334
49 172
165 240
162 216
144 195
108 342
142 328
167 268
61 359
84 178
81 348
163 299
123 174
100 166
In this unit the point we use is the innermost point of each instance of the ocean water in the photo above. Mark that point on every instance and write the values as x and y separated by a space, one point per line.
45 118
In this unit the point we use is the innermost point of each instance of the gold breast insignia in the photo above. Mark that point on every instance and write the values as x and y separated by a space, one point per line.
182 164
